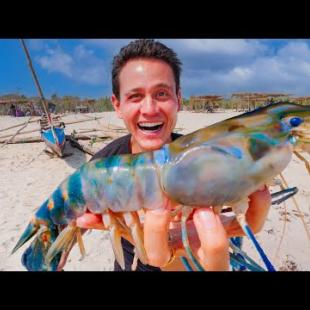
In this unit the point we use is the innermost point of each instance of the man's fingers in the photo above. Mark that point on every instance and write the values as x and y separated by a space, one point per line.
156 226
90 221
259 205
213 252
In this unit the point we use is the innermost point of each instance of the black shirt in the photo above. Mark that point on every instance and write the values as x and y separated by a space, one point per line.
118 147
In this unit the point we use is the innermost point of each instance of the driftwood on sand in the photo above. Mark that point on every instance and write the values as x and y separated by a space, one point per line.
20 133
15 126
76 144
17 132
39 139
37 129
12 139
84 120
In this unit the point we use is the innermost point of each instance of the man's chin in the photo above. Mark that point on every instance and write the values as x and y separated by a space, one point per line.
155 144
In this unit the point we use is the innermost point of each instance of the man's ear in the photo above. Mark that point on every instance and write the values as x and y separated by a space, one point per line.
179 99
116 104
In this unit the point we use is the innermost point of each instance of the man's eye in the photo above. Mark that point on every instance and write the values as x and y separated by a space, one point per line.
162 94
134 96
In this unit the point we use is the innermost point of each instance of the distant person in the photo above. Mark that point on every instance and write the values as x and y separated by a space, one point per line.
19 112
51 107
12 111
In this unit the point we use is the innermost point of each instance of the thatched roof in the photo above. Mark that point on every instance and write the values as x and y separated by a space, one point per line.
14 101
205 98
300 99
258 95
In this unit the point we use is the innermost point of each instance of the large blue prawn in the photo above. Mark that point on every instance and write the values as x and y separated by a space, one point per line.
215 166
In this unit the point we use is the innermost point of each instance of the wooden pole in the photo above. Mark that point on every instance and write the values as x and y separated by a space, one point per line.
15 126
36 81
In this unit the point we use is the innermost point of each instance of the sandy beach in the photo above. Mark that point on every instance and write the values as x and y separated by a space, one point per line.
28 176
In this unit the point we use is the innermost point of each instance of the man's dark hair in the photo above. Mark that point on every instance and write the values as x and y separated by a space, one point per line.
144 48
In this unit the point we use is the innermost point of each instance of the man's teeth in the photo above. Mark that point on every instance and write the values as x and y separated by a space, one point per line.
150 124
146 126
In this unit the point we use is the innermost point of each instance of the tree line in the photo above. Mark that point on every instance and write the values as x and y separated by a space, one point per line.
68 104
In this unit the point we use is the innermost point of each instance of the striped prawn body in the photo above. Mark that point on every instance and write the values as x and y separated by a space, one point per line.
124 183
118 183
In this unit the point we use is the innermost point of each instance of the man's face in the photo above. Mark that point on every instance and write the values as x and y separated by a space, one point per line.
148 103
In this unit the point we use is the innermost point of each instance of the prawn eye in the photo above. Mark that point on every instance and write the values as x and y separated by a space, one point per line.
296 121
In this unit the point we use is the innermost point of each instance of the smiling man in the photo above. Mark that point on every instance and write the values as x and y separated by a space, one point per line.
148 102
147 96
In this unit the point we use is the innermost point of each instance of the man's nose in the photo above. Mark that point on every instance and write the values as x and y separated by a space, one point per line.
149 106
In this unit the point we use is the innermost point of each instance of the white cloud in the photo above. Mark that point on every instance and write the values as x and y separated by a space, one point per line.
56 60
295 49
40 44
218 46
286 69
111 45
82 65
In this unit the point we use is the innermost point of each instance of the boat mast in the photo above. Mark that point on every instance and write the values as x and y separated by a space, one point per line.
45 107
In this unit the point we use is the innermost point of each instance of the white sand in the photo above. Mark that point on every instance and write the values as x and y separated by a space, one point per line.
28 176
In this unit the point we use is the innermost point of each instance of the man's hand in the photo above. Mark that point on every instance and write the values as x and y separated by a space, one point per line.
259 206
208 232
213 251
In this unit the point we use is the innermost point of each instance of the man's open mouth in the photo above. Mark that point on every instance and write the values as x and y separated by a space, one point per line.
150 126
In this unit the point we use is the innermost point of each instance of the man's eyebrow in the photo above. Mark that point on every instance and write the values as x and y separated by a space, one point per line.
137 89
133 90
162 85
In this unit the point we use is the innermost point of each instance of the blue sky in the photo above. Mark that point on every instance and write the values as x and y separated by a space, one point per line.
210 66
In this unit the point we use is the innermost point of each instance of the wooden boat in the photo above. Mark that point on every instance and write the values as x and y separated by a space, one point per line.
53 134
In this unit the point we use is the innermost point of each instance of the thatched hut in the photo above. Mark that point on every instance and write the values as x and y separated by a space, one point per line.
89 105
25 106
249 101
301 100
8 102
204 103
